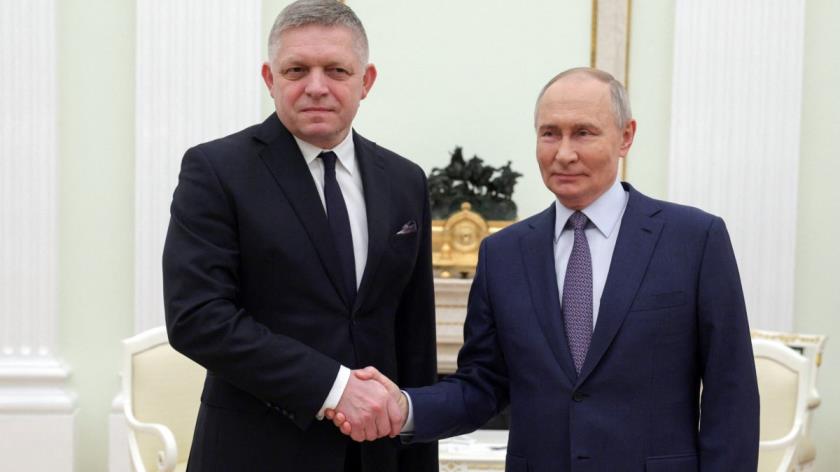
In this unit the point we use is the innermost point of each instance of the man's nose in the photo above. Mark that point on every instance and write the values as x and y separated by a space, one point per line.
566 153
317 84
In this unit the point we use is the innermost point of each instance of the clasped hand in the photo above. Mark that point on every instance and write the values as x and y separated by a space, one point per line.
370 408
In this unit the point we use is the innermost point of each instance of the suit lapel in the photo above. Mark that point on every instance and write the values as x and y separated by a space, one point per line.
377 204
538 258
285 162
637 239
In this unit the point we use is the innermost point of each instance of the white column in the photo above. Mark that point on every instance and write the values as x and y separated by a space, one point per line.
198 64
36 410
737 92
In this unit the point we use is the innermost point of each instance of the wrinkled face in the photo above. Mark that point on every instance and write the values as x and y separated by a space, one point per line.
578 140
317 81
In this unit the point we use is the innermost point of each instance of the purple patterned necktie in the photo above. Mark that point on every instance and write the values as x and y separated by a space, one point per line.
577 293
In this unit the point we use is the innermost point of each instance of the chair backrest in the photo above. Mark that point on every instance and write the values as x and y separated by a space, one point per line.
783 382
160 386
812 347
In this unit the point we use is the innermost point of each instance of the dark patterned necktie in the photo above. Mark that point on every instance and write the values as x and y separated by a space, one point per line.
577 293
339 223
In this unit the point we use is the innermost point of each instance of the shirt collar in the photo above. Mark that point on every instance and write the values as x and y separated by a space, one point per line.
345 151
604 213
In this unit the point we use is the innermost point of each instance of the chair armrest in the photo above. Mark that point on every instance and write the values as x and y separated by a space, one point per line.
791 437
168 457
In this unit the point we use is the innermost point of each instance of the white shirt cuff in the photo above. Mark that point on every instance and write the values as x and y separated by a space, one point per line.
336 391
408 427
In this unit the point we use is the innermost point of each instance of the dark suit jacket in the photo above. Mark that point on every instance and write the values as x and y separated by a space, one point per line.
672 314
251 288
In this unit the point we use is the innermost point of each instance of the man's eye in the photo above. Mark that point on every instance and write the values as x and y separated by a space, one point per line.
338 72
547 134
294 73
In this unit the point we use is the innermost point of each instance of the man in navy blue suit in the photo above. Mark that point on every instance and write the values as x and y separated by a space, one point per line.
599 319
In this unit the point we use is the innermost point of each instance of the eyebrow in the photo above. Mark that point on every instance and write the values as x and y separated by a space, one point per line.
587 124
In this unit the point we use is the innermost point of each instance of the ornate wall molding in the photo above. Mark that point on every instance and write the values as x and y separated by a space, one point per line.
35 407
737 92
611 37
197 79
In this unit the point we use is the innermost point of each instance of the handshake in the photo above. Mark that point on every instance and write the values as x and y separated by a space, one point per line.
371 407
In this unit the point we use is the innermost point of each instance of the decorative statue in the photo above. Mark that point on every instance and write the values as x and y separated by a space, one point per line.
487 189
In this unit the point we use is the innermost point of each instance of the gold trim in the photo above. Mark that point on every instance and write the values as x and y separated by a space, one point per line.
627 45
627 71
593 46
788 338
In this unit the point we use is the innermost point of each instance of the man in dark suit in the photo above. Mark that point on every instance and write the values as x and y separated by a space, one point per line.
598 319
298 250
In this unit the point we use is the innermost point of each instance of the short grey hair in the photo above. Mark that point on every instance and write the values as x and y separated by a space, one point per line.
618 94
321 13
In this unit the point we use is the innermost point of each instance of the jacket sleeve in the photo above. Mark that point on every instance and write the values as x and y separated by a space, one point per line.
204 317
466 400
729 418
416 338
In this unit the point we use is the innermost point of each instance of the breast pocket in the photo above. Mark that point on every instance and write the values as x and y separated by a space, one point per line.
658 301
405 243
663 315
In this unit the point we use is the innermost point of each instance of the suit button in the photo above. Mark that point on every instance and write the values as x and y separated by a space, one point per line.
578 396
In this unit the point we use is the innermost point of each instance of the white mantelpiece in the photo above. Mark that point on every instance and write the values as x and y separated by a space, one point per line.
450 311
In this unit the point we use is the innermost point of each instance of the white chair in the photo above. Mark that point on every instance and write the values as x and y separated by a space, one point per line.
812 347
784 378
161 389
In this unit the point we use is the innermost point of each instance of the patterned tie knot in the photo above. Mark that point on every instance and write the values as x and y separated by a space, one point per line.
329 158
578 220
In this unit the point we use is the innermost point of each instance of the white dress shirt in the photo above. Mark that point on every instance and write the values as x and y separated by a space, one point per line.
601 233
349 179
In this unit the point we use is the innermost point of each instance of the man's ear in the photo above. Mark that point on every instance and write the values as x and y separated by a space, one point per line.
268 78
627 135
368 79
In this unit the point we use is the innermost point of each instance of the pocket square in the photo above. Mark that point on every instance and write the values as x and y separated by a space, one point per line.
408 228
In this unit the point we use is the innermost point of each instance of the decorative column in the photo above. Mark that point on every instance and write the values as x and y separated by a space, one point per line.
737 92
36 410
198 78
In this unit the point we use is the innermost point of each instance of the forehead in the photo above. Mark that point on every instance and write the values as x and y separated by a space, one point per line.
310 42
576 97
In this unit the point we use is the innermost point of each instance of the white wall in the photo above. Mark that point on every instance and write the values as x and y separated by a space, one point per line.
649 87
467 73
817 298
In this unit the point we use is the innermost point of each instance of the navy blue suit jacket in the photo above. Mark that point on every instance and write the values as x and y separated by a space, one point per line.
672 315
252 293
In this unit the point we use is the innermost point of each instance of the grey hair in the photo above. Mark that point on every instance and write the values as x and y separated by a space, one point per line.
321 13
618 94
